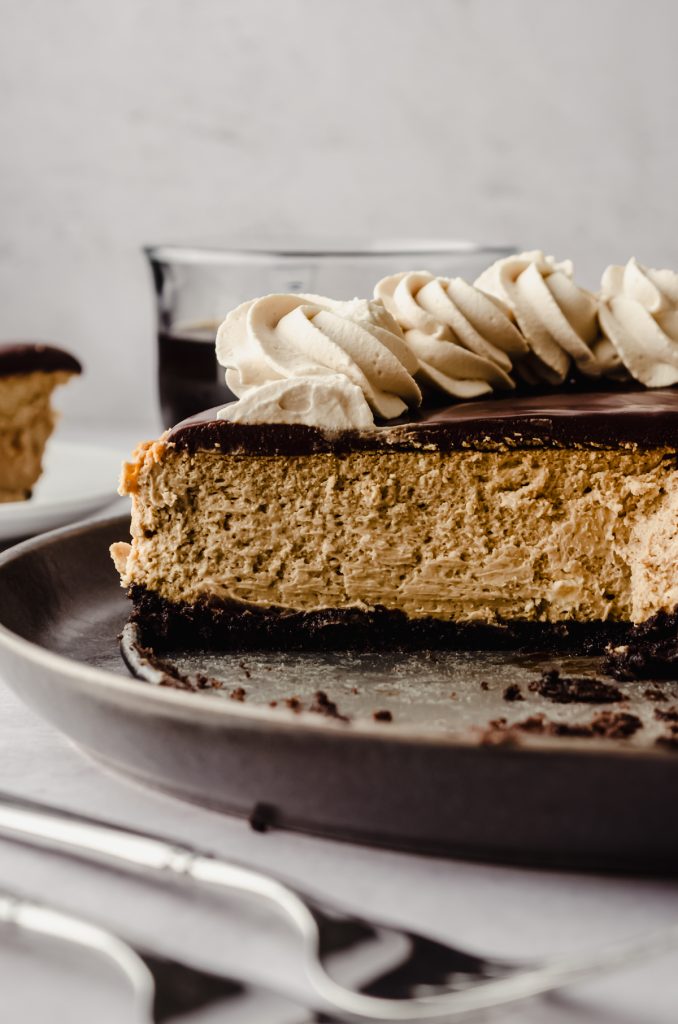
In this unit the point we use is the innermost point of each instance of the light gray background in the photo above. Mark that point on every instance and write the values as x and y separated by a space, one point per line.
548 124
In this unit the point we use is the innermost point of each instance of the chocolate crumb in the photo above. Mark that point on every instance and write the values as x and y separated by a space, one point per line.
539 724
178 681
575 689
293 703
576 729
202 681
651 650
322 705
382 716
655 694
354 689
453 695
484 685
609 724
513 692
666 714
535 723
272 703
243 666
262 817
615 725
170 675
238 694
499 733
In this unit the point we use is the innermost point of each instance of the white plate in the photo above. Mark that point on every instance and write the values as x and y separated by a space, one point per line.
78 479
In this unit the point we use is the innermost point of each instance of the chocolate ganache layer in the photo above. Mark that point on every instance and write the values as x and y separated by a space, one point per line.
596 419
31 357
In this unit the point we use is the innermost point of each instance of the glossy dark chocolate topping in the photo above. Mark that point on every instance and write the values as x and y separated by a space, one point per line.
607 419
31 356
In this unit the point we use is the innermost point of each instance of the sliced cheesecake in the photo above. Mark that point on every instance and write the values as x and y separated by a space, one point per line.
337 503
545 521
29 373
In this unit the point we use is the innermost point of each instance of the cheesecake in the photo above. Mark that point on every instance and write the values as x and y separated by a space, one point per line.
29 373
445 464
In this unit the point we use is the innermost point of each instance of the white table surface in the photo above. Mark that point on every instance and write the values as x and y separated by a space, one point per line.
494 909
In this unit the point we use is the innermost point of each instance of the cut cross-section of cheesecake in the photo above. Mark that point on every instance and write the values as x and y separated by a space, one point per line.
325 507
547 521
29 373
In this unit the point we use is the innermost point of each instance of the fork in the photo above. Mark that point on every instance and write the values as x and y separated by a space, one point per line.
164 990
432 981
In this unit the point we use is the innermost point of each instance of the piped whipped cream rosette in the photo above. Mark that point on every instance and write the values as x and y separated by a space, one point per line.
313 401
639 315
465 341
558 319
306 358
336 365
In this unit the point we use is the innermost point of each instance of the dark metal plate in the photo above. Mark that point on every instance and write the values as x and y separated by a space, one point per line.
425 780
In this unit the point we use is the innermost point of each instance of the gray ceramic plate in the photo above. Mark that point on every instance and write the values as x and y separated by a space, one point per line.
425 780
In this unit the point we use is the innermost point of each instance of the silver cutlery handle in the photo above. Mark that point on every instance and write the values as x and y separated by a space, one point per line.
46 922
61 830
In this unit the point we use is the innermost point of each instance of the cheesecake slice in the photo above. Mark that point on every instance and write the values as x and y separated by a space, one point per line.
338 503
542 521
29 373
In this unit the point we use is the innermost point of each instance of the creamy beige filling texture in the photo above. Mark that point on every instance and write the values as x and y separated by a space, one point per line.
542 534
26 422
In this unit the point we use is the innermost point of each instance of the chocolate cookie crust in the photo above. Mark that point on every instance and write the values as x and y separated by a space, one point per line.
227 625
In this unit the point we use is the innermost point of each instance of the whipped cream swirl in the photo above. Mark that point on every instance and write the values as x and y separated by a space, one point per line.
639 315
281 338
558 318
331 402
465 340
